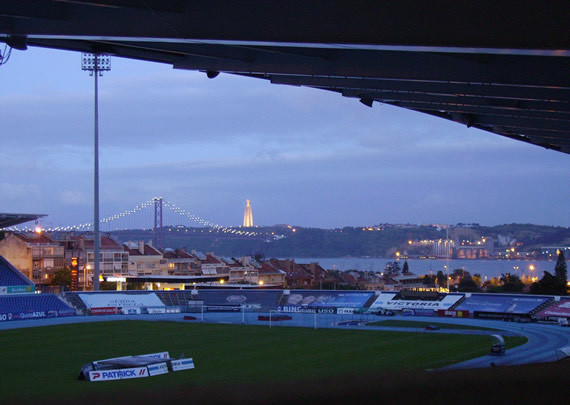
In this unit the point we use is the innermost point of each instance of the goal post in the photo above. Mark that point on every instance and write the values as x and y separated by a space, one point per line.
224 313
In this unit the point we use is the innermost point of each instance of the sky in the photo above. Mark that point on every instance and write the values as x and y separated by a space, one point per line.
303 156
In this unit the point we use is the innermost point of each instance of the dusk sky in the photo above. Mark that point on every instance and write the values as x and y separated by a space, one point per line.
303 157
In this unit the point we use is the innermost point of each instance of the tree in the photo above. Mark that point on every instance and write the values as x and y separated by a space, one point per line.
62 277
477 278
429 279
560 272
460 273
511 283
405 269
392 269
107 285
441 279
548 284
467 284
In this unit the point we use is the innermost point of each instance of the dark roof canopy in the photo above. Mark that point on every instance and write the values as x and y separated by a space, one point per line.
7 220
500 66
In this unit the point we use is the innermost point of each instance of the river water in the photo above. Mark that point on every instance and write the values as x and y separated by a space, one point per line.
487 268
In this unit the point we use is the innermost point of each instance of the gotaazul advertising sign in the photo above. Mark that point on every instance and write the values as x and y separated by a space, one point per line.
16 316
122 374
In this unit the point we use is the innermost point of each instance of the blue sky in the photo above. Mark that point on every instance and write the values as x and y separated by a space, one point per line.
302 156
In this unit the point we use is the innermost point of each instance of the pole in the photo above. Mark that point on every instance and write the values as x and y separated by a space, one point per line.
447 256
97 235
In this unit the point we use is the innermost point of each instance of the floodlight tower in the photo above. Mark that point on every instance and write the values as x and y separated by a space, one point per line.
96 64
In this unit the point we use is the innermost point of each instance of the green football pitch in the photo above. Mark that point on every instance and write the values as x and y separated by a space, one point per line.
43 363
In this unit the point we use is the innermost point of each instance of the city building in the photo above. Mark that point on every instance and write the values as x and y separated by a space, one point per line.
145 259
181 263
443 248
36 255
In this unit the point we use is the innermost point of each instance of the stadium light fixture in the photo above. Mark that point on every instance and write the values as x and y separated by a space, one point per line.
96 64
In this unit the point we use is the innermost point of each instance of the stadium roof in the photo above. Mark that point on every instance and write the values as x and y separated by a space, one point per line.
500 66
7 220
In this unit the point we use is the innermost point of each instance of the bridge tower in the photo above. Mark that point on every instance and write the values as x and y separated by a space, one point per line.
158 222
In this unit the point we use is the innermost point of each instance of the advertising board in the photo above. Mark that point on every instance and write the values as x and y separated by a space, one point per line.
423 312
222 308
182 364
296 308
157 369
122 374
104 311
17 289
451 313
16 316
121 300
389 301
131 311
156 310
327 299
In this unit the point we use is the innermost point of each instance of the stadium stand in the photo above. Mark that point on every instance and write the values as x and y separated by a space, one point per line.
33 306
175 298
432 301
323 298
76 302
263 300
501 304
419 295
555 310
11 276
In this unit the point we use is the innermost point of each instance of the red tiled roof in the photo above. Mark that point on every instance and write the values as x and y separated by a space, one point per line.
211 260
169 254
147 251
267 268
181 253
36 238
106 243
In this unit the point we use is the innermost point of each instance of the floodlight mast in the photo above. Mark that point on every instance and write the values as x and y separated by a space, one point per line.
96 64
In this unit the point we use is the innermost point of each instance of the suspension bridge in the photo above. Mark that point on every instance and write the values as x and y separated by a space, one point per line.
152 213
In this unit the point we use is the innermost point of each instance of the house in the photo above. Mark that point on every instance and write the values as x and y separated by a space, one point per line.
210 265
36 255
145 259
270 276
300 275
181 263
243 270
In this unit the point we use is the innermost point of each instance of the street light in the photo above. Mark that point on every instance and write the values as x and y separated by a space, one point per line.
96 65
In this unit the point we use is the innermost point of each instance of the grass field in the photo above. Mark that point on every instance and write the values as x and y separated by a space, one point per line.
42 363
418 324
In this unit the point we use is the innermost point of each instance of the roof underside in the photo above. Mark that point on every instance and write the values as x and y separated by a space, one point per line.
7 220
500 66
